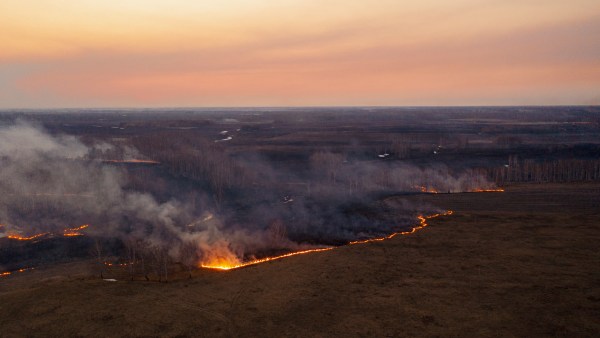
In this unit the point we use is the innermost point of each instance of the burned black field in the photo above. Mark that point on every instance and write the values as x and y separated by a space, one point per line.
161 201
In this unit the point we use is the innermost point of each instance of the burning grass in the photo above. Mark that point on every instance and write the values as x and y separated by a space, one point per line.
72 232
222 262
30 238
9 273
504 265
68 232
431 190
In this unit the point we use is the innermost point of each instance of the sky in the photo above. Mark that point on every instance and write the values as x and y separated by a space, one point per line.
188 53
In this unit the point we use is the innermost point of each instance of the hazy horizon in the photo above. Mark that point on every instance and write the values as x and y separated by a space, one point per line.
233 108
157 53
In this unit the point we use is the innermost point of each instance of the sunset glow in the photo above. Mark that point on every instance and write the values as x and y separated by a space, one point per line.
293 53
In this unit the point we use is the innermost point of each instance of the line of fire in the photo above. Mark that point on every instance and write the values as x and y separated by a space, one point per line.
221 262
215 260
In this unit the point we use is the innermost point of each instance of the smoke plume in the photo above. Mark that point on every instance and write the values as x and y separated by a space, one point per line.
54 182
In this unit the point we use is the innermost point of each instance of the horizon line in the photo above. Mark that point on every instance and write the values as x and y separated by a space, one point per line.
297 107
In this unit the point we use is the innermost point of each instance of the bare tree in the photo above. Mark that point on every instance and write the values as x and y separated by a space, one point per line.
277 232
188 256
132 252
327 164
160 262
144 258
99 257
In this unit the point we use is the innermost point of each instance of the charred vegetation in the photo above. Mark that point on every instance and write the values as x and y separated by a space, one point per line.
248 184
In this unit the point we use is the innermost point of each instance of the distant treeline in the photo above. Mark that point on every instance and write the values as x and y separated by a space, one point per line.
561 170
195 158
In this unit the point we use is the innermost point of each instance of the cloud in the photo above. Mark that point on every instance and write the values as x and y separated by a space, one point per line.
342 53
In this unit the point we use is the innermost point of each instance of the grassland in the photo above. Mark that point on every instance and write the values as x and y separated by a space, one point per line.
520 263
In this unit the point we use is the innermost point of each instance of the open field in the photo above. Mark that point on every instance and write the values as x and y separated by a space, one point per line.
520 263
299 168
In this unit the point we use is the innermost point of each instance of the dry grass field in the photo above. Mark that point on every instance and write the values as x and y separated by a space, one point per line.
521 263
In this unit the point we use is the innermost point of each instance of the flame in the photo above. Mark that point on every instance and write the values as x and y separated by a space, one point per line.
428 190
68 232
117 264
422 223
72 232
8 273
22 238
230 261
224 264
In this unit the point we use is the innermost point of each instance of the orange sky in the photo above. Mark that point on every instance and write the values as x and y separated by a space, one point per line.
157 53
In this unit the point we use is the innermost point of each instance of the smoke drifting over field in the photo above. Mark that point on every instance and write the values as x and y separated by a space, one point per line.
49 183
52 182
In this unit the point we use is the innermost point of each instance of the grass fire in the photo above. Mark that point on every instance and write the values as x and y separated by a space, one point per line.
362 215
235 212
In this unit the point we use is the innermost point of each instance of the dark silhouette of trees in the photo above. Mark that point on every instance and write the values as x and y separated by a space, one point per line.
546 171
98 253
188 256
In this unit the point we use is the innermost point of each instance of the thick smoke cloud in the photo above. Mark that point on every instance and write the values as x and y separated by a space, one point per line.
53 182
49 183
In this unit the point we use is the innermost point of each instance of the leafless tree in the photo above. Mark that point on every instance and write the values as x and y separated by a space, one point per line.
144 257
99 257
188 256
160 262
132 253
327 164
277 232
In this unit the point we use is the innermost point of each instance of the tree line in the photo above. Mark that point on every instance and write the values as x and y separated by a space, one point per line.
551 171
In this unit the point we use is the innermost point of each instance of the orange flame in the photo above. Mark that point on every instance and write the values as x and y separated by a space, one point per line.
422 224
428 190
117 264
72 232
488 190
8 273
69 232
225 263
21 238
